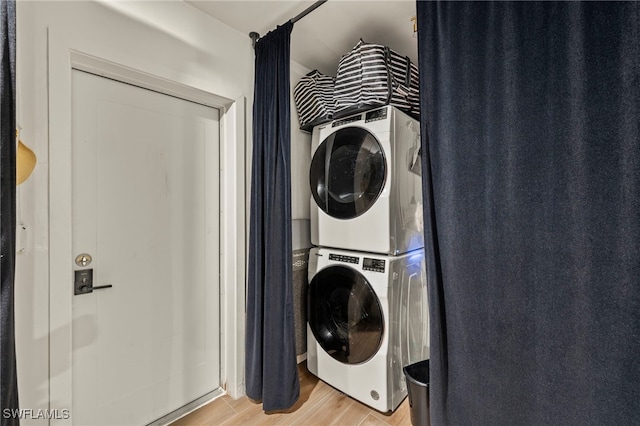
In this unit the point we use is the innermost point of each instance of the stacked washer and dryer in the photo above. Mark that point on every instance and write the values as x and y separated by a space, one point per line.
367 298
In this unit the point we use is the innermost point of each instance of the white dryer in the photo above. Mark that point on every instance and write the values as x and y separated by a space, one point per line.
368 317
366 183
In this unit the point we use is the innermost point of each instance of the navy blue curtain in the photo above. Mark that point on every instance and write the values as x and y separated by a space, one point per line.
530 123
8 376
270 368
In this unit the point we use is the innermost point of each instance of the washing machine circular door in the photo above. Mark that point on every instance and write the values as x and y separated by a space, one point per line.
345 315
348 173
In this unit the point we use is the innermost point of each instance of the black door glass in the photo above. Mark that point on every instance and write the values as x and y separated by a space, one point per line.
348 173
345 315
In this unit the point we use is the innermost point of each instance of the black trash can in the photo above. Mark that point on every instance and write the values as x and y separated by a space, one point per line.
417 376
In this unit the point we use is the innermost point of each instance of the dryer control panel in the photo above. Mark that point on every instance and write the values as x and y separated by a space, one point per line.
343 258
347 120
379 114
375 265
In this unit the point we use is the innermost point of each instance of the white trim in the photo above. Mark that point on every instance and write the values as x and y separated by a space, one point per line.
232 249
60 270
188 409
94 65
61 60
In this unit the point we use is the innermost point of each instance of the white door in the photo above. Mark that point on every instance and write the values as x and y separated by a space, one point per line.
146 209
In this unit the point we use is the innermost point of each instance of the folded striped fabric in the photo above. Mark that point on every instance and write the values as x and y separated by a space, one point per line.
313 96
372 75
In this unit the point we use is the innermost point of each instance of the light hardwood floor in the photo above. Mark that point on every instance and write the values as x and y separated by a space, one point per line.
319 404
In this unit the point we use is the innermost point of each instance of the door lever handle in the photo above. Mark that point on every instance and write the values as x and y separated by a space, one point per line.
83 283
88 288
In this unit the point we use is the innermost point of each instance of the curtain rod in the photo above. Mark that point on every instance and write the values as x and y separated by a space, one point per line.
255 36
308 10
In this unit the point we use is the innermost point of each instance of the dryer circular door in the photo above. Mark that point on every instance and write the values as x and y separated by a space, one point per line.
348 172
345 315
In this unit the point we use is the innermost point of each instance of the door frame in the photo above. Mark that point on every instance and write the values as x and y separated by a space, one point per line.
63 57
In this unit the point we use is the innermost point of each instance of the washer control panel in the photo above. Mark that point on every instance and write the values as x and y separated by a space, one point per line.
375 265
343 258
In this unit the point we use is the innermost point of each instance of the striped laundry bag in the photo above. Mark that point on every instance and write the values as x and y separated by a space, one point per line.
313 96
373 75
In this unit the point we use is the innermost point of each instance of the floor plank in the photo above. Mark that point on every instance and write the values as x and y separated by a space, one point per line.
336 409
213 413
319 404
400 417
372 420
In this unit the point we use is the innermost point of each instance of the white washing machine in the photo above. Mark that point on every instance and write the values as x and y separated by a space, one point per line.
368 317
366 183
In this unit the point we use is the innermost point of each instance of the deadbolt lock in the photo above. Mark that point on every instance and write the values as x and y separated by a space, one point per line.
83 259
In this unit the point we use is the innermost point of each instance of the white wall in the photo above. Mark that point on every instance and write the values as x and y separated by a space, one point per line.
168 39
300 155
300 162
